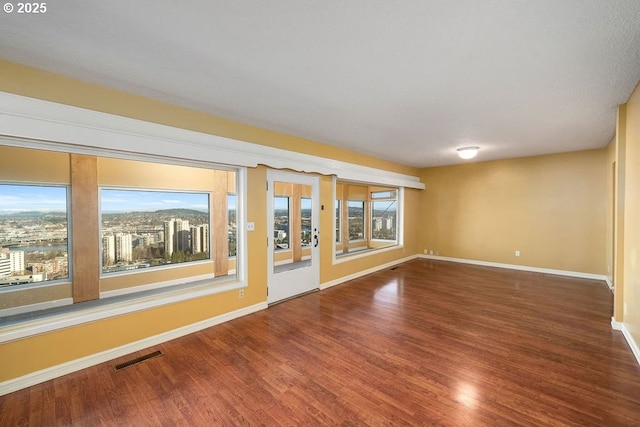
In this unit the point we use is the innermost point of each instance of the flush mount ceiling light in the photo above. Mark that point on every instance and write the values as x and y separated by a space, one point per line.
468 152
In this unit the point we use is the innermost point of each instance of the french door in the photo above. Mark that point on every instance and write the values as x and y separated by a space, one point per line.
293 240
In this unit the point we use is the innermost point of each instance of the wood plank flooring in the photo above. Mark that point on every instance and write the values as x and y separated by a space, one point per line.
424 343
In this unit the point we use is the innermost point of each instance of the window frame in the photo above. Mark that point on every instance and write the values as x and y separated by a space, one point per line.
372 210
61 281
338 255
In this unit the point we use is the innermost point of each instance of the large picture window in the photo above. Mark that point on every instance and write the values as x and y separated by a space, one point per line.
367 217
34 240
145 229
140 229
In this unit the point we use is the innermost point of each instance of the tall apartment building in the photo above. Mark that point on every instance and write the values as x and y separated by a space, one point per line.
124 247
177 236
108 250
16 260
5 267
199 238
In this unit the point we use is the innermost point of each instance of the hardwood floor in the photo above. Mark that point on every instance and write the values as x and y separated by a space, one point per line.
424 343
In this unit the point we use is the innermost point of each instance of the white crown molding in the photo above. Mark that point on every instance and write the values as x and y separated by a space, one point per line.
43 124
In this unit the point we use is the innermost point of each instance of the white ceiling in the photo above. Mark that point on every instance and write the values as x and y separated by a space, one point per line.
408 81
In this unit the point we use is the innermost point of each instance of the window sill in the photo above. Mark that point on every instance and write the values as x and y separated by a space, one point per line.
362 253
22 326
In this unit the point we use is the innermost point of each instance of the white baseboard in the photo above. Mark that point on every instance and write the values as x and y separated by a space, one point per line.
609 283
635 349
343 279
577 274
34 378
615 325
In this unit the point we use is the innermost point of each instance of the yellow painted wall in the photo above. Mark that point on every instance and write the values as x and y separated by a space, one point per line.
38 352
631 192
551 208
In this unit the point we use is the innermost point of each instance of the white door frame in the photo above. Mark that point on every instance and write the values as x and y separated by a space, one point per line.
287 284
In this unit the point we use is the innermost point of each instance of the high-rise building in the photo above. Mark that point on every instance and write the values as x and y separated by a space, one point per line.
16 260
390 223
169 234
124 247
108 250
199 238
177 236
183 233
5 267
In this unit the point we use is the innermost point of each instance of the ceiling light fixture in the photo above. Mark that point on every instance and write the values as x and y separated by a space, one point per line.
468 152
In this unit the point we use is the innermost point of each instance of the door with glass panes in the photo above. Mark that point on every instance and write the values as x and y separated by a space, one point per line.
293 240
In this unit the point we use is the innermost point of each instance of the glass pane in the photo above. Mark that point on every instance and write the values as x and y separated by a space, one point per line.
356 220
391 194
281 222
383 225
292 227
143 229
338 221
33 234
233 224
305 214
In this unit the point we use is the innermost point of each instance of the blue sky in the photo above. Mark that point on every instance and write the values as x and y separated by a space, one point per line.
21 198
136 200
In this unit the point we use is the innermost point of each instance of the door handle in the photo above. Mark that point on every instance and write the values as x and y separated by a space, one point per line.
316 241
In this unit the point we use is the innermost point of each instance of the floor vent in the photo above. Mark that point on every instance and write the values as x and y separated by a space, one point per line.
138 360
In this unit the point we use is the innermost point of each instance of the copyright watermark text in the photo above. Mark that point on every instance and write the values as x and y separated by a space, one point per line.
25 8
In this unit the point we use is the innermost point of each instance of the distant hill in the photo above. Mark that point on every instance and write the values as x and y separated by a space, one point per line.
178 212
32 213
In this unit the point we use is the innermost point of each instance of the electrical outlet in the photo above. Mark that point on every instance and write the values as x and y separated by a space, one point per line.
251 226
241 293
517 253
431 252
